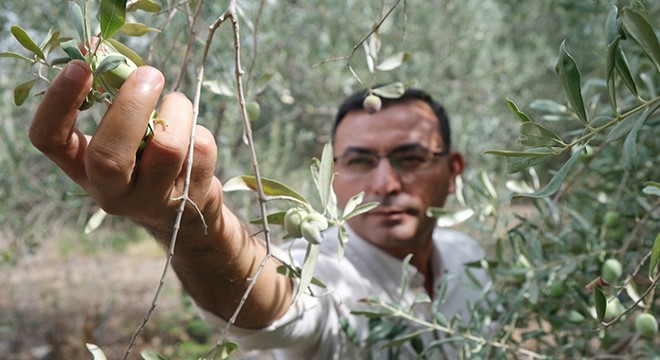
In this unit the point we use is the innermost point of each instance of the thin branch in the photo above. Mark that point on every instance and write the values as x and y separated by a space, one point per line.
191 41
255 42
646 293
359 43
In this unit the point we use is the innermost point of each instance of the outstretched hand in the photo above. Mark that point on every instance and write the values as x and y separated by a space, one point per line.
106 166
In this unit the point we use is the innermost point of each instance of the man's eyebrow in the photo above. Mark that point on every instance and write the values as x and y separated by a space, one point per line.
400 148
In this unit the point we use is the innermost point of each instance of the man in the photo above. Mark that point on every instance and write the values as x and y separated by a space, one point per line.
400 157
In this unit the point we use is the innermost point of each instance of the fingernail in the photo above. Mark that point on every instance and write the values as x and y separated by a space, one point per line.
149 75
74 71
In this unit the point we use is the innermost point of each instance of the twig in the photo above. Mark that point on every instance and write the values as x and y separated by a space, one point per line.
191 41
646 293
359 43
255 42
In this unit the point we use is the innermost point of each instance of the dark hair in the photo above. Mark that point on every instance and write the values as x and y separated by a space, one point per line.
354 102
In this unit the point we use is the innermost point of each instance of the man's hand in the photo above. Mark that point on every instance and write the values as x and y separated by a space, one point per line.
105 165
213 266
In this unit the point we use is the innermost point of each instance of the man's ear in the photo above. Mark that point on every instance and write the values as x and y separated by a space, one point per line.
456 166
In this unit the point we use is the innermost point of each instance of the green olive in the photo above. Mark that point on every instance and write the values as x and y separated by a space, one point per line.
253 110
311 232
611 218
556 289
646 325
292 220
318 220
372 103
115 78
611 270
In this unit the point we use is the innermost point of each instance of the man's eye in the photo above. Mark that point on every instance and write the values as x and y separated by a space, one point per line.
411 159
359 161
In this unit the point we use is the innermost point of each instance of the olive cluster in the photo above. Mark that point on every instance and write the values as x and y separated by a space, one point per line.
299 222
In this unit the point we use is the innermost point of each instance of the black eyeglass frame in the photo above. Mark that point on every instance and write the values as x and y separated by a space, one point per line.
430 158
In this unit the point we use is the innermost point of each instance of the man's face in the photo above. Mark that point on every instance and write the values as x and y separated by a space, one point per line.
399 225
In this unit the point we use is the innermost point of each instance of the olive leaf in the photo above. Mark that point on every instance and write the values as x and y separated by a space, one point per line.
569 77
639 28
559 177
307 270
112 16
630 146
226 349
516 111
354 206
651 188
144 5
109 63
392 62
628 123
448 218
520 160
270 187
152 355
22 91
600 303
71 48
136 29
276 218
218 87
26 41
75 12
325 175
655 256
125 50
9 54
534 134
390 91
97 353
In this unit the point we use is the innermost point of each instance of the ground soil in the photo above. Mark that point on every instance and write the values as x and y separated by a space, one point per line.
52 305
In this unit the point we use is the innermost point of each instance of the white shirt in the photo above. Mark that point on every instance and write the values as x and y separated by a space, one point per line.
311 328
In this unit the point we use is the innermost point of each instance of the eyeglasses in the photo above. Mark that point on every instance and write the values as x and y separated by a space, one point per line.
360 162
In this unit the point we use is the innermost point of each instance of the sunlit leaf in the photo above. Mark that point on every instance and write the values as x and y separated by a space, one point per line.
152 355
270 187
144 5
26 41
569 77
217 87
548 106
112 15
651 188
392 62
559 177
22 91
390 91
136 29
325 175
361 209
126 51
95 221
519 114
307 271
447 218
97 353
225 349
655 256
76 15
353 202
639 28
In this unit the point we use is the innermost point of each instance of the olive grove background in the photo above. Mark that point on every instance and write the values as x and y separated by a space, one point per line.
471 55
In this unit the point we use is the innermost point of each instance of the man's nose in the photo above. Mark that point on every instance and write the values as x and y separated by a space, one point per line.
385 179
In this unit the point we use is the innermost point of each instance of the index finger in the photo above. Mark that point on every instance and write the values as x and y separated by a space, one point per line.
53 127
